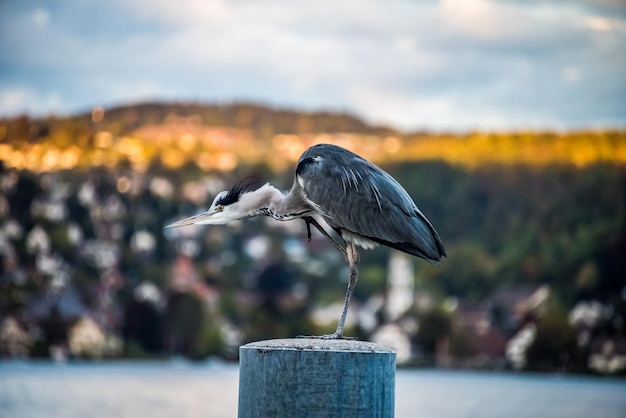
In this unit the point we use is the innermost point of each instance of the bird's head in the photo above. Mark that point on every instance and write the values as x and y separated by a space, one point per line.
226 207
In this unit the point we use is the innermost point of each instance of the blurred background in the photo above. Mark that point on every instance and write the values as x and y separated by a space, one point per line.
504 120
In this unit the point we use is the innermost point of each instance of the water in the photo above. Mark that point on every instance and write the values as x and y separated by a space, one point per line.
434 394
180 389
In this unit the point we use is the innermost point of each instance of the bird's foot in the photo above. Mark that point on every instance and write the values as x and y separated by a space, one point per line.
334 336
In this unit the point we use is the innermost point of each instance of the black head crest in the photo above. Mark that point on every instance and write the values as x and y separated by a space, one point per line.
235 193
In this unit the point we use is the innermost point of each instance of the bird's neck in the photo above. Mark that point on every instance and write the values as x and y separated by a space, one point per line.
268 200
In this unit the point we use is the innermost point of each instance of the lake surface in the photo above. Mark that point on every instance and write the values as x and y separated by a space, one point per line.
180 389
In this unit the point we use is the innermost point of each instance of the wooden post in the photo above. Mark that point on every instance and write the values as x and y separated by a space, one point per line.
306 377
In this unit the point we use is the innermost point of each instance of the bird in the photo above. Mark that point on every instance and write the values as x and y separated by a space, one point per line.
363 204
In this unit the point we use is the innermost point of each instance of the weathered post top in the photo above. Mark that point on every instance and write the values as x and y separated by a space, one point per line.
311 377
304 343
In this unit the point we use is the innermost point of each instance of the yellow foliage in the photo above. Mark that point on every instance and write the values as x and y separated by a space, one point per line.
224 148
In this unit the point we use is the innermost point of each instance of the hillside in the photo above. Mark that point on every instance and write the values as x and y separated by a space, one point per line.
223 136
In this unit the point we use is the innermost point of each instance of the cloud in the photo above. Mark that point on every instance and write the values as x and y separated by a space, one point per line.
15 101
40 17
449 64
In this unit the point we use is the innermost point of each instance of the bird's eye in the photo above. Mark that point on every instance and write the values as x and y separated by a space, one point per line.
220 208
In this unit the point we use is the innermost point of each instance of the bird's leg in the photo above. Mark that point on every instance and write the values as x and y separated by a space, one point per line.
308 220
311 221
353 259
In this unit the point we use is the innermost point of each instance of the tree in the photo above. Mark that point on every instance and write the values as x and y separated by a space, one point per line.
185 319
554 346
434 326
143 326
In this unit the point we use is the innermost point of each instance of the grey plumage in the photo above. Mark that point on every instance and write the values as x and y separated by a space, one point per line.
356 196
358 200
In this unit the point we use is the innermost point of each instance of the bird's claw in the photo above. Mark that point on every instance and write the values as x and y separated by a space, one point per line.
334 336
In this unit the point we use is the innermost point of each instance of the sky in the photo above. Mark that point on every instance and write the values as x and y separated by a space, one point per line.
410 64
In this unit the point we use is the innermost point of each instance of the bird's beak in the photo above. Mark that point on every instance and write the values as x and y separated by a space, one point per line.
202 218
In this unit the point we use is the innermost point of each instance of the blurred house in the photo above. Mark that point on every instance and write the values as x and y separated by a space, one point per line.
186 278
608 355
86 339
14 340
500 329
511 307
400 293
51 315
517 346
485 341
515 310
585 317
64 302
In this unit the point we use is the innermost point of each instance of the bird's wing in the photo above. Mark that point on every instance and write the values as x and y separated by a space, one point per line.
356 195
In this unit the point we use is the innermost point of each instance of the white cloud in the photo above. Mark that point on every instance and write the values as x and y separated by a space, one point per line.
439 112
571 74
453 63
40 17
14 101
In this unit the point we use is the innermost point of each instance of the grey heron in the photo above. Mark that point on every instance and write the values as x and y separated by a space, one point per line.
363 204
